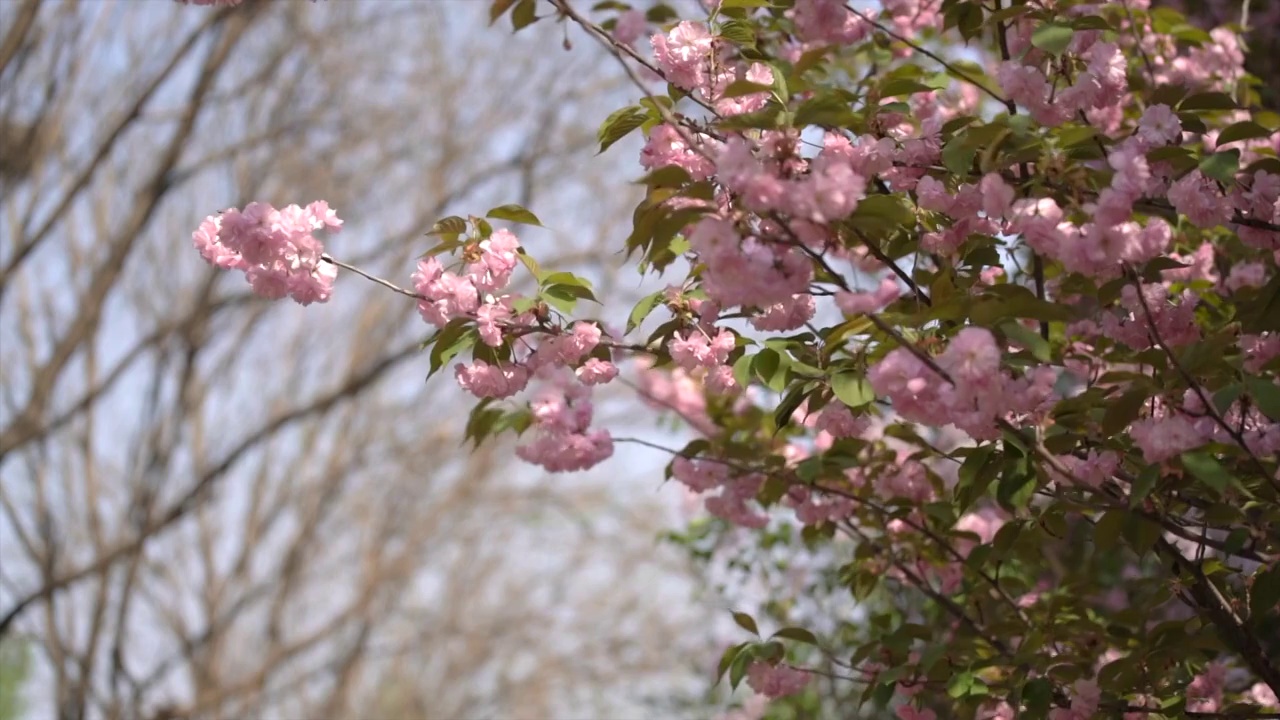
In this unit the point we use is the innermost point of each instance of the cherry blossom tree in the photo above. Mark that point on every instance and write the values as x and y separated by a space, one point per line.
971 314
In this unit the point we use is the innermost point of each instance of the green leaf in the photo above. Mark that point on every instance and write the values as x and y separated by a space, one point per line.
1264 595
726 659
824 109
1052 38
1207 469
1243 130
1091 22
767 365
1266 395
452 225
738 32
903 86
958 154
1143 485
746 622
1222 166
514 213
1027 338
524 15
1169 95
852 389
1107 530
793 399
738 669
1208 101
498 8
797 634
1017 484
643 308
742 370
452 339
620 124
740 88
1123 410
966 684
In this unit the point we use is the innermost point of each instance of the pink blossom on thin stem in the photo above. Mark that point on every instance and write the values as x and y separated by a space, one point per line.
276 249
776 681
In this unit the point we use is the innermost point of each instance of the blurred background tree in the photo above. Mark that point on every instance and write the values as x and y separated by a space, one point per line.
213 506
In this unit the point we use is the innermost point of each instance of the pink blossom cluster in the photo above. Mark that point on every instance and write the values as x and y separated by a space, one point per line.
1204 694
827 22
975 207
676 391
737 489
816 507
669 146
911 712
984 523
980 392
563 440
778 179
749 270
1100 85
856 303
1092 470
785 315
1143 317
693 60
447 295
275 248
775 681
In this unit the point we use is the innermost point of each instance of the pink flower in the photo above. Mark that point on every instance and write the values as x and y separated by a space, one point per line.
488 322
837 420
932 195
776 681
696 350
1160 126
911 712
1163 438
667 146
447 295
684 55
972 357
757 73
629 27
830 193
596 372
855 303
275 248
211 248
1246 275
827 22
786 315
1198 197
561 452
498 258
1023 84
496 381
1263 696
997 196
983 523
1204 694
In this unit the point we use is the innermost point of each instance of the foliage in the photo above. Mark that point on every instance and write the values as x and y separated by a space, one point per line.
15 667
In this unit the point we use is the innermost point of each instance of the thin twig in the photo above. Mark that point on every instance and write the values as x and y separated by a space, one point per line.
384 283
